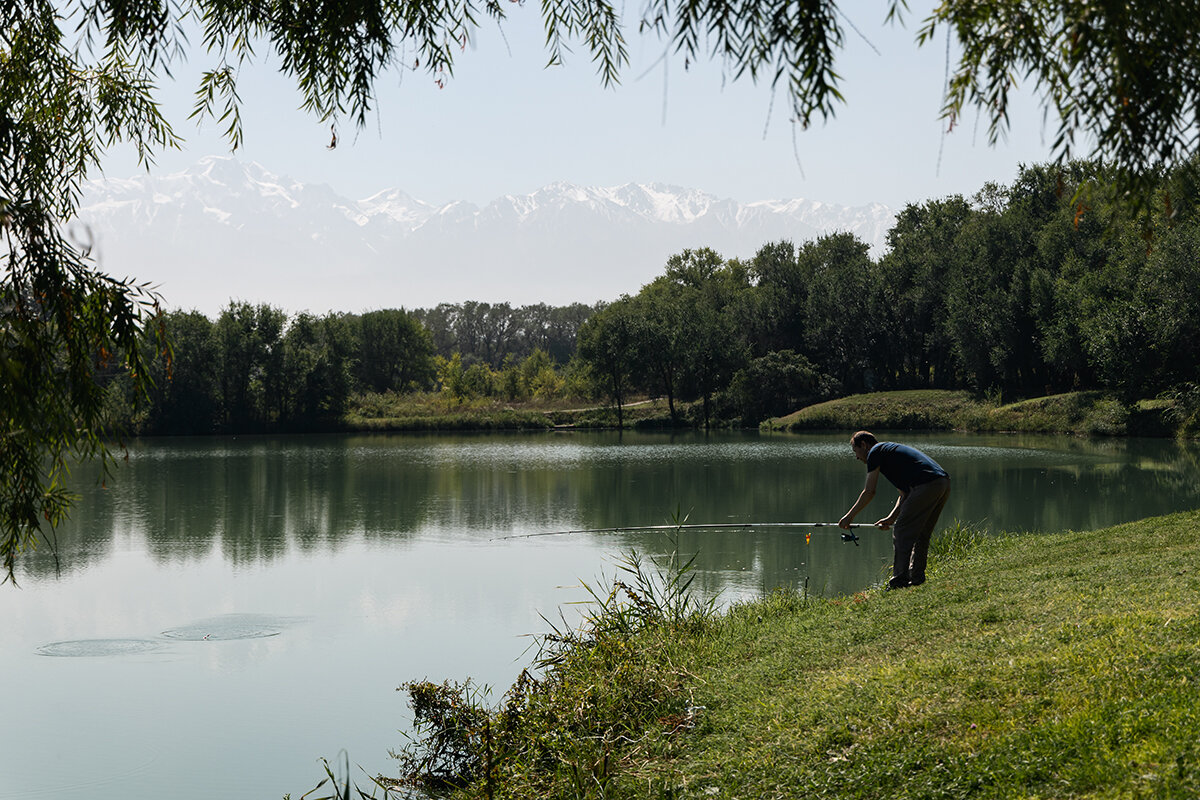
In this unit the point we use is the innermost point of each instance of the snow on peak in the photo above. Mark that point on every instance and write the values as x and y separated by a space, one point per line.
395 206
225 228
226 185
224 171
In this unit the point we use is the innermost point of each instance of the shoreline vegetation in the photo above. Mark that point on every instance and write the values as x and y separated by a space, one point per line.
1030 665
1088 413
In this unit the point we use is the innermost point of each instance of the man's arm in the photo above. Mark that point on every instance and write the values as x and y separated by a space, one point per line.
864 497
891 518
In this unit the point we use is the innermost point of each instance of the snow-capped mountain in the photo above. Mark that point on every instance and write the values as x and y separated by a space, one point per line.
226 230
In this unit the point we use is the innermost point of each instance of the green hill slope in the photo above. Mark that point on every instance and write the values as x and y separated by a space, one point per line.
1091 413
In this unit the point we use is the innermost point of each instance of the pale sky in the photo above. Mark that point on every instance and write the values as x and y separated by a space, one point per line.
505 124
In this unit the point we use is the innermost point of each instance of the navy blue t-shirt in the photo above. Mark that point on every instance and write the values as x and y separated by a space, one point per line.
904 466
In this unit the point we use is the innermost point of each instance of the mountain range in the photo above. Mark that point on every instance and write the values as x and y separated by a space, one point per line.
224 230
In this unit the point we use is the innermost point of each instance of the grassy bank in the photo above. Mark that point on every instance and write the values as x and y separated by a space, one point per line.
1033 666
1088 413
390 411
1028 666
1091 413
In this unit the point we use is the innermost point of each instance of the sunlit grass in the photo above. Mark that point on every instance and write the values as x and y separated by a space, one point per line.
438 411
921 409
600 698
1091 413
1033 665
925 409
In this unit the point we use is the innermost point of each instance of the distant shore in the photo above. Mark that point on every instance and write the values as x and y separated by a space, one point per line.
1073 413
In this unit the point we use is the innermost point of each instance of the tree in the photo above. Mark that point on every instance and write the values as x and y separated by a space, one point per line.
608 343
249 355
183 398
780 293
482 332
1120 73
317 358
1140 324
714 353
776 384
663 346
916 350
553 328
839 332
983 307
396 352
538 378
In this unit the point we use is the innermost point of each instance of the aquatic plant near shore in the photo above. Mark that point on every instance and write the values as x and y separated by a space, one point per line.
342 787
599 697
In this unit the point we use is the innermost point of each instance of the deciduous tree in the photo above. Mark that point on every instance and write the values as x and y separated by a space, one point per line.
396 351
609 342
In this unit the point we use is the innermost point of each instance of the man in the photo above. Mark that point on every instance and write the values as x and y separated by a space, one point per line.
924 487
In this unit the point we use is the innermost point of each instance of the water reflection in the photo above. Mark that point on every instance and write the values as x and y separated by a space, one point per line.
254 500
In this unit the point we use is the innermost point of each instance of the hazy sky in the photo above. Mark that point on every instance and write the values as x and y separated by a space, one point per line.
505 124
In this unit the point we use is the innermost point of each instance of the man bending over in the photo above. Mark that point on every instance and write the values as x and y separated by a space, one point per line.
924 488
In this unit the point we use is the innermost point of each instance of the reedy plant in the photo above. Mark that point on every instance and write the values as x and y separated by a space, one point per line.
342 787
601 697
448 743
955 540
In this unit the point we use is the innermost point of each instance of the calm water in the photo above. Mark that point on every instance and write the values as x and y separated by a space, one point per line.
224 612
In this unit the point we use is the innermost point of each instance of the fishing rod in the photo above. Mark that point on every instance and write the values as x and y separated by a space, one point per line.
847 536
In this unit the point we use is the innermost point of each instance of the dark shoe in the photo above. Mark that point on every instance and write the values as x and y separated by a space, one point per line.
917 582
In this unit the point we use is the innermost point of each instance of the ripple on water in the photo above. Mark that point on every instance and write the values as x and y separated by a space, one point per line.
229 627
98 647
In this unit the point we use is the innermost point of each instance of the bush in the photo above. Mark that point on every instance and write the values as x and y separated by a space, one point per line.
1185 410
775 384
608 689
450 725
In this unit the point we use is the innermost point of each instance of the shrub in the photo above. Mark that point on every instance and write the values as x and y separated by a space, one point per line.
608 688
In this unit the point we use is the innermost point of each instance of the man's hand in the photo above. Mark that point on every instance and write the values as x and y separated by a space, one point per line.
844 522
885 523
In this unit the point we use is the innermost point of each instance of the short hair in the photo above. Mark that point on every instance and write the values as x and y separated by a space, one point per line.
863 438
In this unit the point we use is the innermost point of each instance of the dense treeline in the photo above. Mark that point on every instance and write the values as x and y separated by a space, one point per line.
1023 290
495 333
256 369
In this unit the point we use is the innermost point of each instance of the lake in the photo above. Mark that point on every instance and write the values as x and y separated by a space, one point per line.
219 614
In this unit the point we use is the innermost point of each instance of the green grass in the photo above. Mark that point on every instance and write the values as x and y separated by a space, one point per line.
1090 413
1049 665
1075 412
431 411
919 408
1031 666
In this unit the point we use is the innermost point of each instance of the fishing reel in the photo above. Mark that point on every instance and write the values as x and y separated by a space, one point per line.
848 536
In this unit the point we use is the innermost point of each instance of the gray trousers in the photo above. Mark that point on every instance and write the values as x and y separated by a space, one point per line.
919 513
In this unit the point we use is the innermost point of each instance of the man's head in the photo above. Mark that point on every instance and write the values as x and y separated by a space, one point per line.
861 443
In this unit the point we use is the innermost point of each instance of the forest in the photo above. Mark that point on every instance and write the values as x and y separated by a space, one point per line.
1037 287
